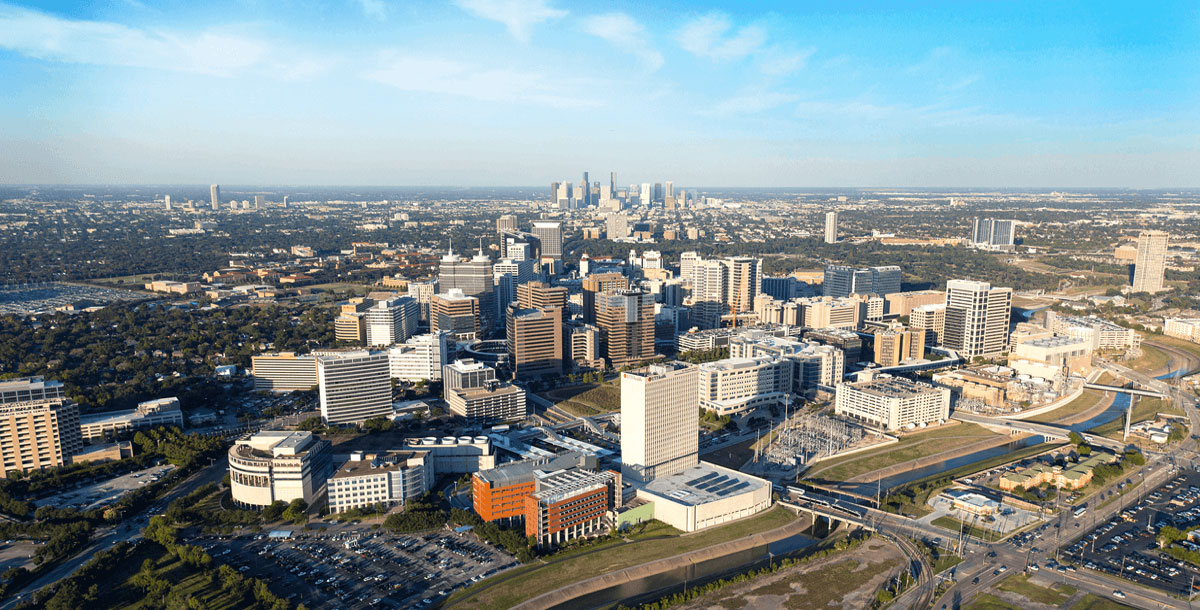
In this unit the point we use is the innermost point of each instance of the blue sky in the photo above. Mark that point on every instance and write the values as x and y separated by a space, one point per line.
523 92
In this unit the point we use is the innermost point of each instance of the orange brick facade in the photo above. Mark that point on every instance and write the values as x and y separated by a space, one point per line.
495 503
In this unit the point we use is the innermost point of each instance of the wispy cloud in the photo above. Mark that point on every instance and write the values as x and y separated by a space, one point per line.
778 62
705 36
519 16
43 36
750 102
625 33
449 77
376 9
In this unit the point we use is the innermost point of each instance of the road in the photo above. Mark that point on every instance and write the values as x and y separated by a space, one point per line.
129 530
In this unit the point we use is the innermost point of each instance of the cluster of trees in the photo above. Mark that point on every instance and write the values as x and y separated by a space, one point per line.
119 356
420 515
714 421
509 539
182 450
698 357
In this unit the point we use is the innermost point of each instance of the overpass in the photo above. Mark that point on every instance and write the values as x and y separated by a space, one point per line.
1047 431
1132 391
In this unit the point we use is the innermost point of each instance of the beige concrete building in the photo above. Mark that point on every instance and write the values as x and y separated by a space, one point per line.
1187 329
148 414
626 323
355 385
659 423
278 465
830 312
1151 262
899 344
734 385
706 495
902 303
535 341
977 317
456 313
891 403
283 372
1047 357
39 425
385 480
931 319
598 284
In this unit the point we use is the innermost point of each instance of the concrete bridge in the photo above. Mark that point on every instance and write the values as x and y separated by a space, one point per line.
1048 431
1131 391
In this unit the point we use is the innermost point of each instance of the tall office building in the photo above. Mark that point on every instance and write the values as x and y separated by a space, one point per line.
258 201
355 386
993 234
831 227
616 226
709 279
745 282
626 322
977 318
506 223
283 372
391 321
931 319
214 195
167 201
659 426
598 284
421 357
423 292
899 344
669 191
1151 261
509 275
455 312
473 277
843 281
39 425
535 341
549 233
541 294
645 194
587 191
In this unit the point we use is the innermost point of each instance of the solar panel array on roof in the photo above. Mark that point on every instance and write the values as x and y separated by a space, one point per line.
697 481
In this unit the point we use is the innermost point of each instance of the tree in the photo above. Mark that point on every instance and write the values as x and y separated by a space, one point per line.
1075 438
274 510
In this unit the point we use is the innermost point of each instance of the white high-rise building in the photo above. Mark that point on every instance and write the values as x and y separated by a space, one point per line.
659 424
831 227
977 318
421 357
645 194
356 385
891 403
508 274
549 233
214 195
1151 261
392 321
734 385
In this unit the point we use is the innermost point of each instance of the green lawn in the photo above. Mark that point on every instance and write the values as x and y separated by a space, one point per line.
987 601
910 447
1095 602
1057 595
186 581
536 579
1087 400
1152 360
1187 346
951 524
588 400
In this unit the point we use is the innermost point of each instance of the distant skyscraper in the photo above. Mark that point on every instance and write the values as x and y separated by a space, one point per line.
612 185
508 275
831 227
745 282
549 232
993 234
506 223
258 201
1151 261
285 202
977 318
645 193
659 426
167 200
658 192
214 194
587 191
670 190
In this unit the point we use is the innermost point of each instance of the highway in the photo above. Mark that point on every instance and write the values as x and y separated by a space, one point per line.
128 530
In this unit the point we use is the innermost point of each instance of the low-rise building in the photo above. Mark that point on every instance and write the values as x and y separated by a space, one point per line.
892 403
571 504
1051 356
705 495
1071 476
455 454
500 493
734 385
148 414
1187 329
384 480
1100 333
278 465
283 372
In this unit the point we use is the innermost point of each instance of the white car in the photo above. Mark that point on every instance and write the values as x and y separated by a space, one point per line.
1118 594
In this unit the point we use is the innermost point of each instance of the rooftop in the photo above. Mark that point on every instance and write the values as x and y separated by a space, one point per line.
704 483
378 464
893 387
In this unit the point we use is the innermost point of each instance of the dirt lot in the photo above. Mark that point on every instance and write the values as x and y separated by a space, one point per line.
843 580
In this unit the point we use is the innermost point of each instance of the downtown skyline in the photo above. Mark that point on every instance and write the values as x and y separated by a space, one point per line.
486 93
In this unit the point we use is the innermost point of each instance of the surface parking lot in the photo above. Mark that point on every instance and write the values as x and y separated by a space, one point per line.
1127 545
360 570
104 492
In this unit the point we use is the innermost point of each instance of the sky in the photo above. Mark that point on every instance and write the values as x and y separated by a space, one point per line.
525 92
